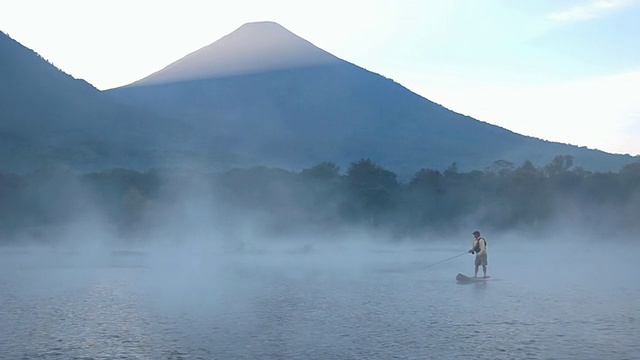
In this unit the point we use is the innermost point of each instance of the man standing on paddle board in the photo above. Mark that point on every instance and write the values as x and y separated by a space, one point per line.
479 247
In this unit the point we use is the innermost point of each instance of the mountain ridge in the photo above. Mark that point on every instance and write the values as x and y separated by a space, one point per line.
287 116
48 118
295 116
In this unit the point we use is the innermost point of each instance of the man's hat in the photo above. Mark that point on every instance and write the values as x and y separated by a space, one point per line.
476 232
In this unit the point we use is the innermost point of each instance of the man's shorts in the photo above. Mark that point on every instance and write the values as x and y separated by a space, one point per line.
481 260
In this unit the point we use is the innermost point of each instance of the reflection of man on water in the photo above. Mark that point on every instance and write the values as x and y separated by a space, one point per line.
479 247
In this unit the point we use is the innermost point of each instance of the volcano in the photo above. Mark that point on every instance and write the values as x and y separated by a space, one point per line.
270 95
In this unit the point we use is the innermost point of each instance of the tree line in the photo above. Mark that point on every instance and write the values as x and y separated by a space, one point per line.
501 197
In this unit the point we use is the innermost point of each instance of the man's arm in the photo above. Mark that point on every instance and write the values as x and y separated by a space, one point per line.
473 246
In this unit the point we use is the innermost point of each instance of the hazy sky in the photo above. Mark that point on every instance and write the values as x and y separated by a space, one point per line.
560 70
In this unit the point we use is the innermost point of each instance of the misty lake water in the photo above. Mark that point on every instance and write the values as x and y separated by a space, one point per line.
343 301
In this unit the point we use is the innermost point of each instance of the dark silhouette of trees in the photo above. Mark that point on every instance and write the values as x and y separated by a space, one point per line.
326 171
372 189
502 197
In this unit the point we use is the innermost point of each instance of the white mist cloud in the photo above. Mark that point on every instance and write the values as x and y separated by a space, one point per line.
589 10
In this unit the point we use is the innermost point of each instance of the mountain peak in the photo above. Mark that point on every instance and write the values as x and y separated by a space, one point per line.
261 25
252 48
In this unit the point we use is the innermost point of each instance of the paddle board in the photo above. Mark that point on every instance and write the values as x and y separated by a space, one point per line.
466 279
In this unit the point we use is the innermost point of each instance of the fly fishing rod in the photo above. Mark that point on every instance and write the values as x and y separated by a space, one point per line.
453 257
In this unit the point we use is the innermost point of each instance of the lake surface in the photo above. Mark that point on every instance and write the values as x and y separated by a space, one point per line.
335 302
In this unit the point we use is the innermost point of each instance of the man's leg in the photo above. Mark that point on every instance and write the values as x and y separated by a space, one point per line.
475 274
484 270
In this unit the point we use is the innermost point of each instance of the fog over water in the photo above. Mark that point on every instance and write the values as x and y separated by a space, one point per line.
347 298
206 282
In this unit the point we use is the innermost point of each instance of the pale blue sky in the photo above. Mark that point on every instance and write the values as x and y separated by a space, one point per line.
560 70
